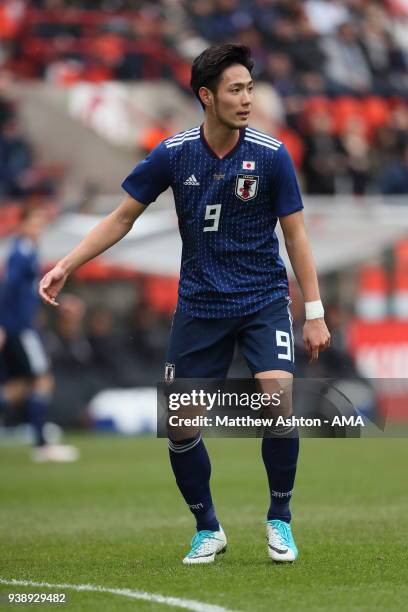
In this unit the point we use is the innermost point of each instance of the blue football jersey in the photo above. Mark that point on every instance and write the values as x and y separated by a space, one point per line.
19 298
227 213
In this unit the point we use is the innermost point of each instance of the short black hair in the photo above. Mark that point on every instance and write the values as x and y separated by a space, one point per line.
211 63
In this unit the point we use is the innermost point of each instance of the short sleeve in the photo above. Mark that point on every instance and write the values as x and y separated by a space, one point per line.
150 177
285 188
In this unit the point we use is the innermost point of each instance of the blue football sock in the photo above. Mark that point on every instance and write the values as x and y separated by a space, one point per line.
192 469
280 458
37 405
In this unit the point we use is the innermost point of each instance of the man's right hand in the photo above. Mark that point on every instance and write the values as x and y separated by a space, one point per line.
51 284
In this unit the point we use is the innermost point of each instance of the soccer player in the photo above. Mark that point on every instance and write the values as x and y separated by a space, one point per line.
231 184
27 376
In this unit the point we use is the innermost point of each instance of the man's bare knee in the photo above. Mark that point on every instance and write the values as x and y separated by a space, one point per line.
44 384
16 391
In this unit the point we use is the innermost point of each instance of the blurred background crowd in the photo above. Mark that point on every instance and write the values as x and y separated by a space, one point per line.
333 79
338 70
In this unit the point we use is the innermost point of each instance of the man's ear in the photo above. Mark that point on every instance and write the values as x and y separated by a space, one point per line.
206 96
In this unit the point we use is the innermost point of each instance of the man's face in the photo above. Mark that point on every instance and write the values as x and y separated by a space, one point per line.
231 103
34 225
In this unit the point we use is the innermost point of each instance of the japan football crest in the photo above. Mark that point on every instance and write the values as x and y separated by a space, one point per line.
246 186
169 372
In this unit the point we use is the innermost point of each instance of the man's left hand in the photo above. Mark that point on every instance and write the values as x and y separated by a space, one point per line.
316 337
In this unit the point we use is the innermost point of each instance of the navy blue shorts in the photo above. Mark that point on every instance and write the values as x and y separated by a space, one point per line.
203 348
23 356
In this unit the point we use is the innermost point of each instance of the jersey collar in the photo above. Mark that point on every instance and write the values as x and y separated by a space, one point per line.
212 152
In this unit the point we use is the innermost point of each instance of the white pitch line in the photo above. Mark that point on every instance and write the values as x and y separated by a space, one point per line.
187 604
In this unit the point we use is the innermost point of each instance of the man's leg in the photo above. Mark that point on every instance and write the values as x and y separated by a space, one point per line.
266 341
38 403
280 451
21 357
19 391
192 469
13 393
31 358
280 457
198 348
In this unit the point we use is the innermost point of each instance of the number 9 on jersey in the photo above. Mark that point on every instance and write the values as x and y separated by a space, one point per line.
212 213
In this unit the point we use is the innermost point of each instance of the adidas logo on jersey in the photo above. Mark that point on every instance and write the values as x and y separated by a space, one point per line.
191 181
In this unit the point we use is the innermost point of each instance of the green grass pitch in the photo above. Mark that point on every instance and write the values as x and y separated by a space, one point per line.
115 519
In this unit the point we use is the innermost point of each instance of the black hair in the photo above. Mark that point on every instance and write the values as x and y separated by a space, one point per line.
210 64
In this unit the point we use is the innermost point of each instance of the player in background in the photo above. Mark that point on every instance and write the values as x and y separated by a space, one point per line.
27 379
231 184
